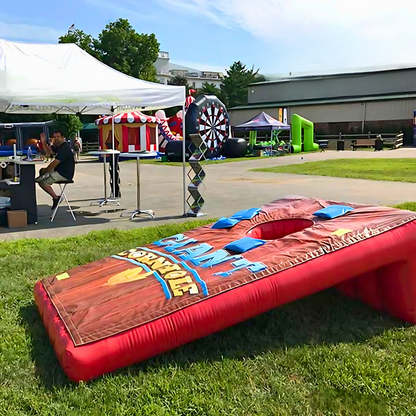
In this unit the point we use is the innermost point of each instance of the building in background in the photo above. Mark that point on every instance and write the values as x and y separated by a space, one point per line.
378 99
165 70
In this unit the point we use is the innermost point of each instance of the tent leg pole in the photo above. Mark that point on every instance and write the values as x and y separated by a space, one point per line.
114 156
183 160
112 198
115 197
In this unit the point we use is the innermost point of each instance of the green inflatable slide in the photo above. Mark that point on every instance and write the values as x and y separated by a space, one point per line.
299 123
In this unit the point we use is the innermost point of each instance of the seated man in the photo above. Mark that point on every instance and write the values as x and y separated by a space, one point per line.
60 169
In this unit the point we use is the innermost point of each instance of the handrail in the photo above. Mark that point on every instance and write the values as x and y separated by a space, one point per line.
355 135
390 139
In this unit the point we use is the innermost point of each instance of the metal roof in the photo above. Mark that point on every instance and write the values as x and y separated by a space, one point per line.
176 67
323 101
317 74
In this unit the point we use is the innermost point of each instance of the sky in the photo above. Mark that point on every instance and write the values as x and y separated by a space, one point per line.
274 36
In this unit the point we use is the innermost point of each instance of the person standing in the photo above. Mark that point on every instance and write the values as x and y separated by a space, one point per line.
77 148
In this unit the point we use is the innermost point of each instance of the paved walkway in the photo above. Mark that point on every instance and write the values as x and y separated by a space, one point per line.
230 187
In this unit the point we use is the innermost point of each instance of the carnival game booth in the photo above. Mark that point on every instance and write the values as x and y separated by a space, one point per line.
150 299
133 131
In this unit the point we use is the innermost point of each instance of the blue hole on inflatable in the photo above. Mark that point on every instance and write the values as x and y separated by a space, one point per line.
273 230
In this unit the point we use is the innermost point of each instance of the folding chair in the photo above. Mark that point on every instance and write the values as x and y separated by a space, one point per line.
62 185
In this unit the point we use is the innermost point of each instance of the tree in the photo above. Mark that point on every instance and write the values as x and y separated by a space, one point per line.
81 39
260 78
234 84
179 80
125 50
69 124
120 47
211 89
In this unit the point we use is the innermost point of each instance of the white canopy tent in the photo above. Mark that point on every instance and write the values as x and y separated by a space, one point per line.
64 79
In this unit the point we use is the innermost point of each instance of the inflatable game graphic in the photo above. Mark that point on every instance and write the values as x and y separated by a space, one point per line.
150 299
170 128
208 116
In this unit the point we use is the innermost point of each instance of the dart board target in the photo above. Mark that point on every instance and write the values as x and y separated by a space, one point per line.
208 116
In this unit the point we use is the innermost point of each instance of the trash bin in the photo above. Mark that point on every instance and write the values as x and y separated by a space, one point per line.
378 144
340 145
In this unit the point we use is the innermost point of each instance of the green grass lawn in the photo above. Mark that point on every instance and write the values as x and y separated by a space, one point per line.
322 355
411 206
400 170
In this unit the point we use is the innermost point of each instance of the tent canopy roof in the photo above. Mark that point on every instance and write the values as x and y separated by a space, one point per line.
64 79
128 118
262 122
89 126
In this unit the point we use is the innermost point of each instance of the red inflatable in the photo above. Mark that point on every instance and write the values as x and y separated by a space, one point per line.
142 302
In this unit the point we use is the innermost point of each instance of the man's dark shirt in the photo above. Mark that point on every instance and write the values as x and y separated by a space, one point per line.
66 166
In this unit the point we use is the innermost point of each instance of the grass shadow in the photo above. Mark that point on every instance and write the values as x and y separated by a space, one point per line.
326 318
47 367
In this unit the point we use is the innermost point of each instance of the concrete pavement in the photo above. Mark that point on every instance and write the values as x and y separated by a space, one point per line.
229 187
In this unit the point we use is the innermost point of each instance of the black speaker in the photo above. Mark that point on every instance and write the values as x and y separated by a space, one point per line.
378 144
174 151
235 147
340 144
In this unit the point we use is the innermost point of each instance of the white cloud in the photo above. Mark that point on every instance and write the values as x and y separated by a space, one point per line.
343 30
201 8
26 32
275 19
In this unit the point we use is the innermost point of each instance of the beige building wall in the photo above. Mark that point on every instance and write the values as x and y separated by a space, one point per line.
327 113
383 110
390 110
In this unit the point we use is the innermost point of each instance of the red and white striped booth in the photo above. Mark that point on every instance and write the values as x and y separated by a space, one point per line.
132 131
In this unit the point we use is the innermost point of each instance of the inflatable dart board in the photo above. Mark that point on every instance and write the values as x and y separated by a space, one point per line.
208 116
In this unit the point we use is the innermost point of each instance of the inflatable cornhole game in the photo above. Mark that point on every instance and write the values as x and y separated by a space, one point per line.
147 300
